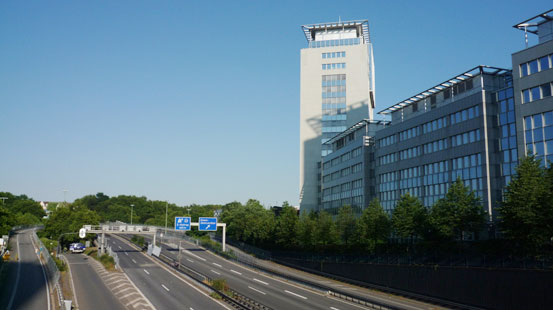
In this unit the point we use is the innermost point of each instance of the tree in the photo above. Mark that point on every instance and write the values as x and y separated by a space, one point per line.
306 230
346 224
325 231
525 213
7 220
286 227
458 212
409 218
374 225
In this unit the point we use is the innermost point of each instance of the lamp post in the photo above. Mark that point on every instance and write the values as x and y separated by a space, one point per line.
132 206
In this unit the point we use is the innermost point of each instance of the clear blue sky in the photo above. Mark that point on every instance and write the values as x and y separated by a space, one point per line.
198 101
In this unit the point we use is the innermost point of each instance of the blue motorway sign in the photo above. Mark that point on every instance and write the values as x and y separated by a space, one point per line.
182 223
207 223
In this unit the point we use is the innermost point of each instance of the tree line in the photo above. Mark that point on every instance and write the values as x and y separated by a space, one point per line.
523 227
525 221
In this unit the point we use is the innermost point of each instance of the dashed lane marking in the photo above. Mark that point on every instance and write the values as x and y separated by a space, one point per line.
236 272
215 272
190 260
334 308
165 287
217 265
262 282
133 261
146 271
253 288
297 295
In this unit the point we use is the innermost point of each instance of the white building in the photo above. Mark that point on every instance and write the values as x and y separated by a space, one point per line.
336 92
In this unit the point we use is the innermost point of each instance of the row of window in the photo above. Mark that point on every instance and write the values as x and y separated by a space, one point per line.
335 117
345 157
536 93
434 125
409 133
334 83
332 66
410 153
465 138
465 115
536 65
435 146
389 140
431 147
334 55
329 43
336 129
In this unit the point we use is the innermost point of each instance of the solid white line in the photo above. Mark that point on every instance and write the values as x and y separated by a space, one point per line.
165 287
297 295
334 308
260 281
215 271
236 272
251 288
146 271
133 260
18 273
190 260
217 265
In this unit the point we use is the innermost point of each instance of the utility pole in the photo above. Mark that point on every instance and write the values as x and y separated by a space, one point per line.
64 197
3 198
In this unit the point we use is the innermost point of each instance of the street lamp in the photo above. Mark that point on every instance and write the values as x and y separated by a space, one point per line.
132 206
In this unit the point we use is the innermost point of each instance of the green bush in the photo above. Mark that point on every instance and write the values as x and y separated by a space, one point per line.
220 285
138 240
107 261
60 264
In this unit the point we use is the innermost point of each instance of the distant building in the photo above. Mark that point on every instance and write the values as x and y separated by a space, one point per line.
336 92
348 172
44 205
532 83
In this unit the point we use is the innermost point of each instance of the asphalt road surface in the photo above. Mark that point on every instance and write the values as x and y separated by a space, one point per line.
267 290
161 287
27 286
91 291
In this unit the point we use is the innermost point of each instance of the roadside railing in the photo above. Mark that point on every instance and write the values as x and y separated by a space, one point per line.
52 271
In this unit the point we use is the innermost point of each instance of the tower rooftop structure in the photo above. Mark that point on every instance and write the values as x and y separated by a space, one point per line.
361 28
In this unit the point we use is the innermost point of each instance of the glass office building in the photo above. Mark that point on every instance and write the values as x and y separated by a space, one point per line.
533 87
446 132
336 92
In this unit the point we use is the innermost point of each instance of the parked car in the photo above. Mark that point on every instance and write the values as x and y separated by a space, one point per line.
77 247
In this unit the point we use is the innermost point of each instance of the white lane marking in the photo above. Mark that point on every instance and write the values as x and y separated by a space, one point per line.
263 282
297 295
119 246
190 260
236 272
215 272
17 275
133 260
126 253
146 271
334 308
217 265
165 287
252 288
196 256
191 308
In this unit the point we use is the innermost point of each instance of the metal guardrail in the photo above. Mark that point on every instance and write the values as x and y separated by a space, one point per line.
52 270
114 255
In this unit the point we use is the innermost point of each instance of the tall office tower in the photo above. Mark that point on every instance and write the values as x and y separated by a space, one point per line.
533 87
337 91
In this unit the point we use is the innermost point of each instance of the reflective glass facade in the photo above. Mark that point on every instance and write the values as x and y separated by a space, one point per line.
334 117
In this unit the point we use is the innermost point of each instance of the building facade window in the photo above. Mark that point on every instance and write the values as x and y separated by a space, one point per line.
536 65
334 55
334 115
332 66
538 136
